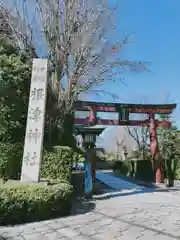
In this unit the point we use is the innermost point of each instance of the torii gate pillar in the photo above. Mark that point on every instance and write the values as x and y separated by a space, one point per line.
158 168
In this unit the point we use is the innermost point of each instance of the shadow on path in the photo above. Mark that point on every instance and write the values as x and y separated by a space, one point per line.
82 206
112 193
157 232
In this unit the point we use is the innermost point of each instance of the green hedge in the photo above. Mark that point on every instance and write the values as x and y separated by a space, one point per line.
26 203
78 157
10 160
172 169
177 174
139 169
144 171
56 163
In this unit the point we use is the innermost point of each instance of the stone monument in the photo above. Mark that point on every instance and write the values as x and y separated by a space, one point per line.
35 122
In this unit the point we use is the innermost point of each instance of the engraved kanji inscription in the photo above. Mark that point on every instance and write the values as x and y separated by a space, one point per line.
35 114
30 159
38 69
38 74
33 136
37 94
38 78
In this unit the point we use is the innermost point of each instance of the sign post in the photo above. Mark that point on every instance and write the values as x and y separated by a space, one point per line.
35 122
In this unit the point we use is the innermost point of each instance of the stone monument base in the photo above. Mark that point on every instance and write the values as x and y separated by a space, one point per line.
41 182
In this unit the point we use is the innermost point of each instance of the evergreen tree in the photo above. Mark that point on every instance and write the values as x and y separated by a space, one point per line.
15 73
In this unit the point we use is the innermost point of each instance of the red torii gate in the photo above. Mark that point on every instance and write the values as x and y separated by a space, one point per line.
124 110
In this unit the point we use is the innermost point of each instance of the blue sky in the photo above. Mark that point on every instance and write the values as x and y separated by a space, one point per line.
154 27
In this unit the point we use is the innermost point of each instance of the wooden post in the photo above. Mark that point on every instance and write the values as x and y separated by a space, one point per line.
154 149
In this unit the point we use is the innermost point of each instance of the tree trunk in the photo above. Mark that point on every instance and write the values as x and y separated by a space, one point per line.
67 138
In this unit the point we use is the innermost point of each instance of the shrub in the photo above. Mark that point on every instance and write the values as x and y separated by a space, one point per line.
139 169
78 157
144 171
177 174
129 168
117 165
10 160
103 163
56 163
22 203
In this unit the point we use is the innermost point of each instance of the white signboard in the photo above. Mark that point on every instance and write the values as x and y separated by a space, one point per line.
35 122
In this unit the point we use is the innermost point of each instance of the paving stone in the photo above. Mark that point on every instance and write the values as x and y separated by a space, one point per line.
55 225
10 234
107 233
89 230
133 231
48 236
28 229
10 231
105 222
157 237
68 232
14 238
77 227
145 216
34 236
102 236
53 236
81 238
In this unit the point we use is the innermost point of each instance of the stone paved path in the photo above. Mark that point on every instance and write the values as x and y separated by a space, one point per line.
126 215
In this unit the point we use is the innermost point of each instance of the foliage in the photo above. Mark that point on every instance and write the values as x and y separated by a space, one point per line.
56 163
10 160
177 173
138 169
143 153
170 151
103 163
14 91
26 203
109 156
78 157
144 171
121 167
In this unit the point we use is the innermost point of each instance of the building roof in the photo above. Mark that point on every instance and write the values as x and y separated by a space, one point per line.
96 128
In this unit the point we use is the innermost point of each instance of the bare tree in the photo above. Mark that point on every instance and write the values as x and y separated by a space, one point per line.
140 135
81 44
119 144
